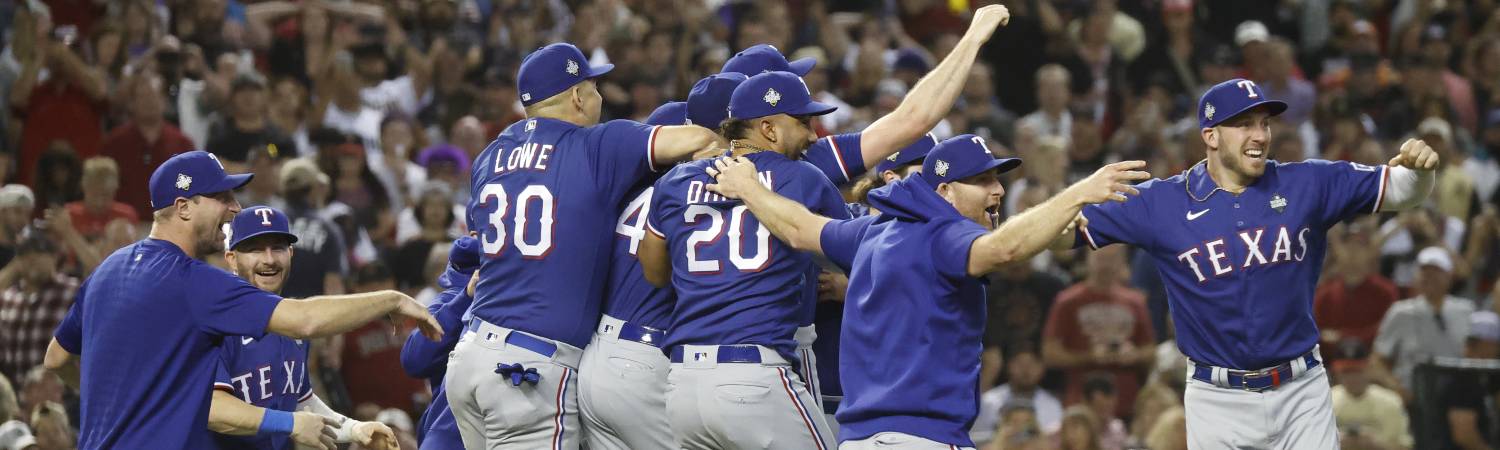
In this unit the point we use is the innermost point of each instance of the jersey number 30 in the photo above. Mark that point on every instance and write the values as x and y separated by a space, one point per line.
534 196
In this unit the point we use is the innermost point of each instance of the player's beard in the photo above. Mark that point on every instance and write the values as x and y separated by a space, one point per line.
1246 166
210 238
268 283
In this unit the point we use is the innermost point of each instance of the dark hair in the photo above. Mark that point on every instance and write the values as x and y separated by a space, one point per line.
735 128
372 272
1098 383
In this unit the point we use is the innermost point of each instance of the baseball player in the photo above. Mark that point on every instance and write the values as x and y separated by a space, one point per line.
270 372
543 197
1239 240
148 322
422 358
845 157
915 287
739 292
622 380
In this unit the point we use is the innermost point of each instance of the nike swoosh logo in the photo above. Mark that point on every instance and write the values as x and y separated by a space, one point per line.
246 340
1194 215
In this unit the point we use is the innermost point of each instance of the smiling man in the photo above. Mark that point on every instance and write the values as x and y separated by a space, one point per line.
1239 240
271 372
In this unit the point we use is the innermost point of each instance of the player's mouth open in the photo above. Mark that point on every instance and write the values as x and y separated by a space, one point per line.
1255 153
268 272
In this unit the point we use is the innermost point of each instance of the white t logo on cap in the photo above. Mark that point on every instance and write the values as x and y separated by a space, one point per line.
216 159
1248 86
265 215
980 141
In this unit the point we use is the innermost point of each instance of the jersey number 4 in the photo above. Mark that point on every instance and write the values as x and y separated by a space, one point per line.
533 196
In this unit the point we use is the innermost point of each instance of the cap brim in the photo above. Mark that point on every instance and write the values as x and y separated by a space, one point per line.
238 239
600 70
231 183
813 109
802 66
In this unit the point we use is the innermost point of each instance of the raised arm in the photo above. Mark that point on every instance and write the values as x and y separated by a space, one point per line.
677 143
791 222
932 97
333 314
1034 230
1411 175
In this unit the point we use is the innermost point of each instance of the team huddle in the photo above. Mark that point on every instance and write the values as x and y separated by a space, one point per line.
655 285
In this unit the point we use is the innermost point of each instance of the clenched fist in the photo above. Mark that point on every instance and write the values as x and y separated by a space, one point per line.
987 19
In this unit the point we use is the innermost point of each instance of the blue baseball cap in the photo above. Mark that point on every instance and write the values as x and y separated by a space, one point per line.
765 58
912 153
192 173
774 93
708 102
961 157
1230 98
257 221
669 113
553 69
464 255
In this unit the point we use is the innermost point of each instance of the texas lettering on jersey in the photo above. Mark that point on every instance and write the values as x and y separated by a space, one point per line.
1282 250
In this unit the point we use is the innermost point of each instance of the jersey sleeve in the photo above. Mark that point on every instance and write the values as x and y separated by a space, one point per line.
1114 222
225 305
69 333
621 154
840 240
838 157
1349 189
818 194
221 377
657 208
950 247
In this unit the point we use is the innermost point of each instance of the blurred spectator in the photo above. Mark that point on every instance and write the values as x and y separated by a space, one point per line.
141 144
1174 53
1369 416
1080 430
393 165
1100 326
1170 432
468 135
247 127
57 177
1277 78
1468 398
16 205
447 164
14 434
1020 298
1053 95
318 264
101 180
1018 428
1454 191
375 349
58 95
53 432
40 387
1153 401
1417 329
1352 297
289 113
354 184
1025 372
1102 402
1412 230
1482 251
265 188
36 296
434 265
338 93
1085 147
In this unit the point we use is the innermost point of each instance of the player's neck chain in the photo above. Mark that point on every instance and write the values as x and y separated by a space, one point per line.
741 145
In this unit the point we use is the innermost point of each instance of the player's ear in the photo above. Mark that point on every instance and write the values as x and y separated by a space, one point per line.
229 257
767 129
181 207
1211 137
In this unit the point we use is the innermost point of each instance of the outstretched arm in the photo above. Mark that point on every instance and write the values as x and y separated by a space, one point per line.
346 430
677 143
423 358
1411 175
229 415
333 314
1034 230
930 100
791 222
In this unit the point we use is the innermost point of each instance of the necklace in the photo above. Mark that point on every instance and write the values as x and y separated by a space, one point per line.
743 146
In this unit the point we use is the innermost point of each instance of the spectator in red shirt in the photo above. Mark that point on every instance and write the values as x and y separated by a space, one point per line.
58 95
1100 326
371 359
141 144
101 180
1353 297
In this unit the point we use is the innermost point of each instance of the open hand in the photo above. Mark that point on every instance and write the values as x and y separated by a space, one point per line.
735 176
408 308
313 431
1111 182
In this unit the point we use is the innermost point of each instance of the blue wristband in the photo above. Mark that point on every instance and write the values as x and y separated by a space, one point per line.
274 421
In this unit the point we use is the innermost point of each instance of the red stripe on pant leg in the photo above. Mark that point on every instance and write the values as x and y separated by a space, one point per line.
557 430
806 420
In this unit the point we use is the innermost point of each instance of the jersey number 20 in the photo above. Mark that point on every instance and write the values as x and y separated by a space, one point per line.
754 263
533 196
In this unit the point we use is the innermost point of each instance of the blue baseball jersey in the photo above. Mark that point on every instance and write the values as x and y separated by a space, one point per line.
632 299
147 326
270 372
542 197
910 294
422 358
1240 270
735 283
